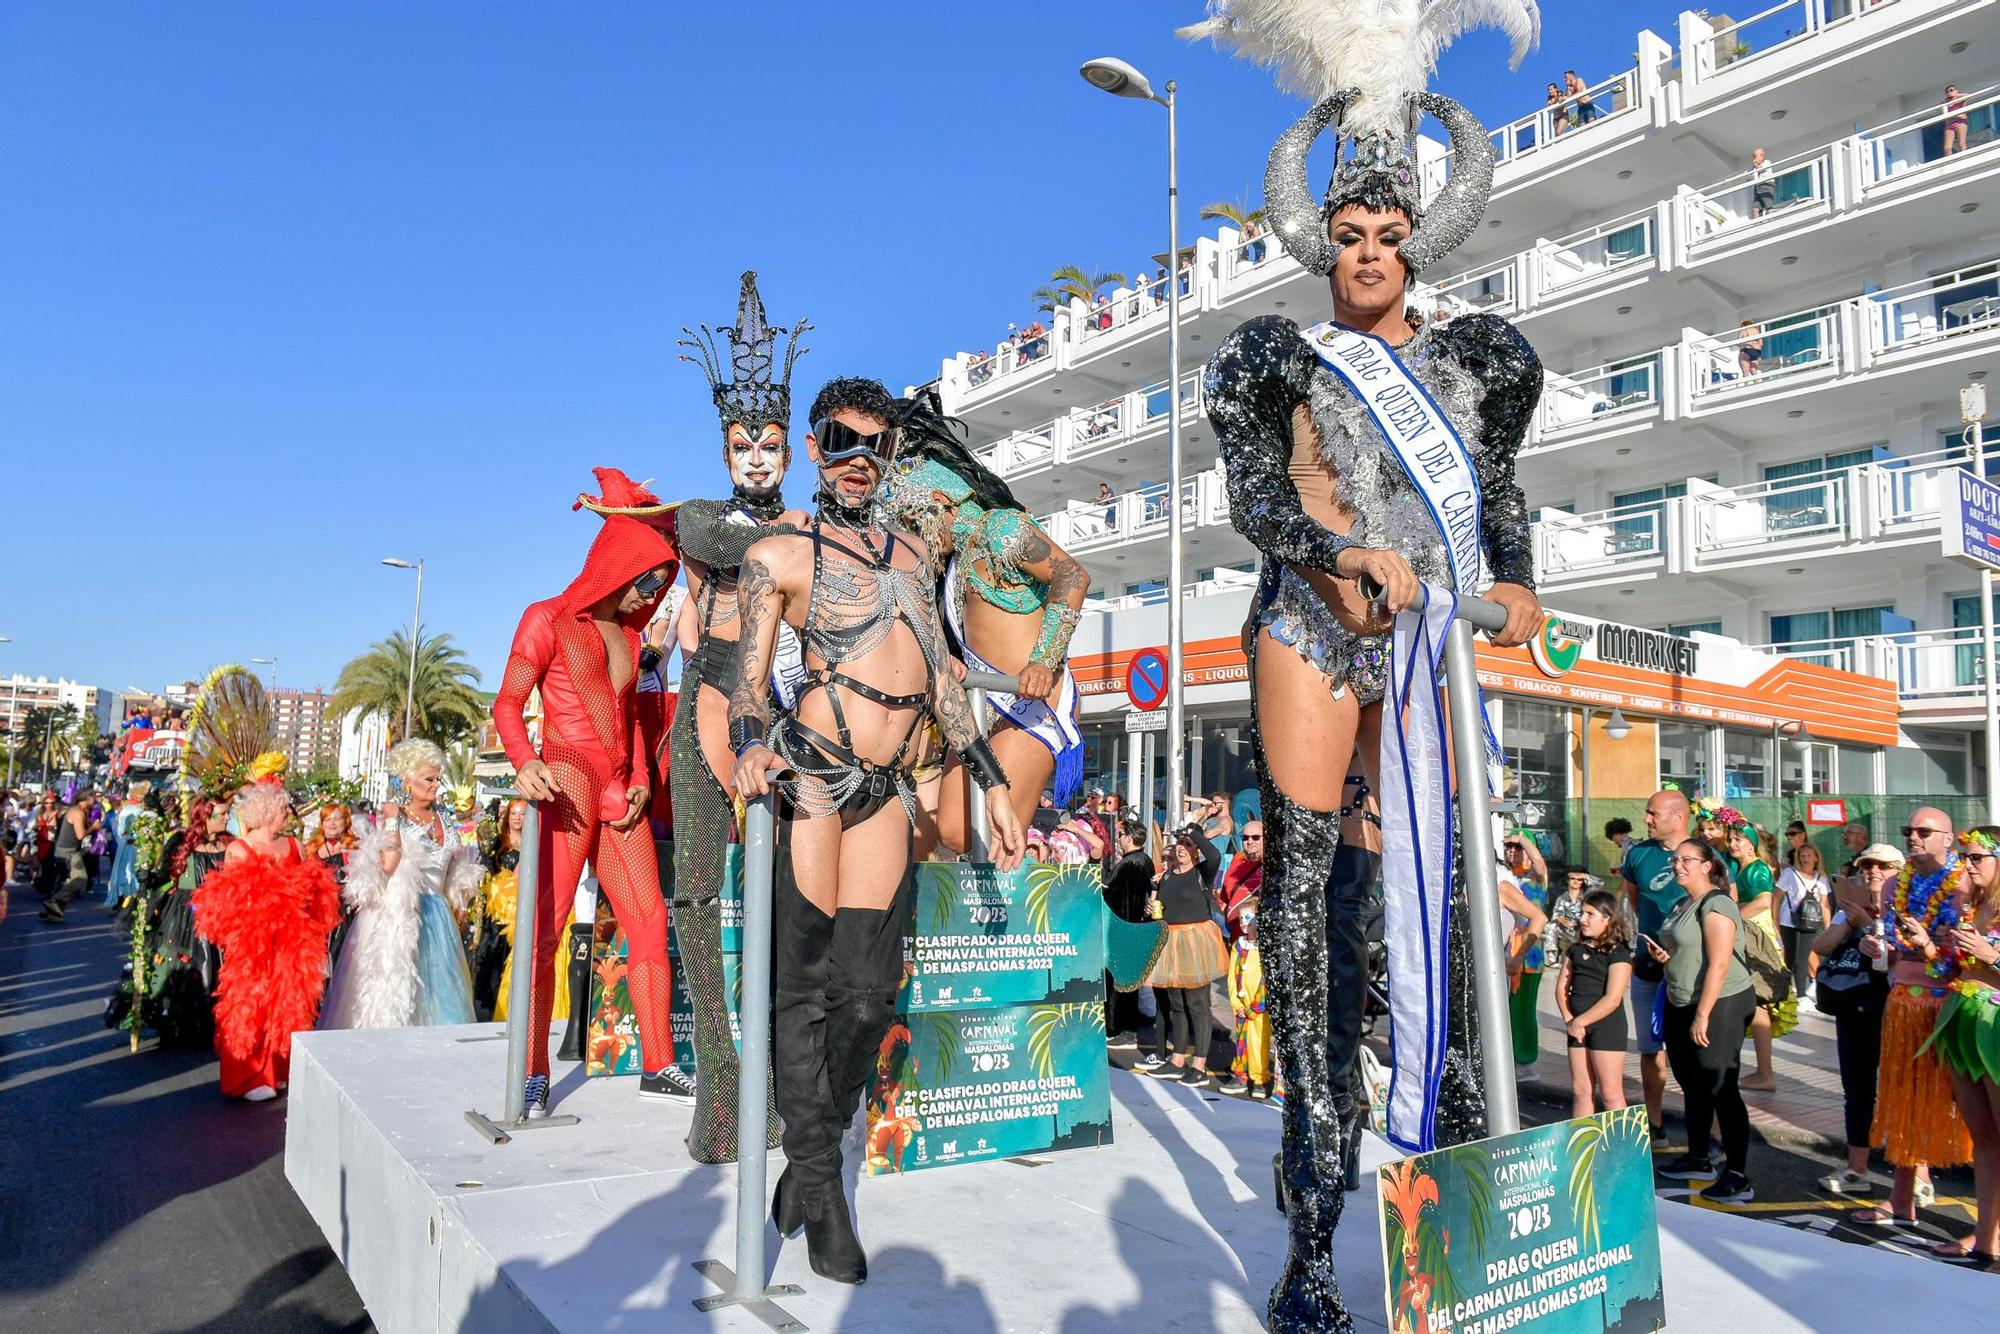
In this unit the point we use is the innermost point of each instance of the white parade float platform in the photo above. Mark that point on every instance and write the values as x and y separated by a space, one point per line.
598 1226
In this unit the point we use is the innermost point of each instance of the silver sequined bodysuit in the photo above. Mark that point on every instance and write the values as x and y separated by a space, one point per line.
1483 375
858 598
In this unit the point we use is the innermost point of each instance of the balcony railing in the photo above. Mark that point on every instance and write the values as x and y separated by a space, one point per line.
1602 395
1551 124
1928 666
1489 290
1789 346
1123 307
1609 539
1802 183
1136 514
1598 250
1223 582
1789 510
1252 253
1931 310
1916 142
1732 43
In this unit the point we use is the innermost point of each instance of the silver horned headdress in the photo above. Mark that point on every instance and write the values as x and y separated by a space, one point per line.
1364 63
740 359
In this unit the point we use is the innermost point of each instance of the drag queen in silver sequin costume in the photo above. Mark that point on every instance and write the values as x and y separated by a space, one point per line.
1314 484
755 404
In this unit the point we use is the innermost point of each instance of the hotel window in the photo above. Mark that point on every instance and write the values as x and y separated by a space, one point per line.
1640 512
1684 756
1969 301
1796 340
1965 616
1693 628
1811 500
1823 633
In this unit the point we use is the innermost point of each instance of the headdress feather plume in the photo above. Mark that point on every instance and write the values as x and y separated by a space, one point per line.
1384 50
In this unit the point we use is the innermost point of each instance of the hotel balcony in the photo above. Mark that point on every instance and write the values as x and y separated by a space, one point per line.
1869 520
1940 674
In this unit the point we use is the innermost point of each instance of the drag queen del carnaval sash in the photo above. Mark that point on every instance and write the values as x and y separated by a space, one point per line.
1416 796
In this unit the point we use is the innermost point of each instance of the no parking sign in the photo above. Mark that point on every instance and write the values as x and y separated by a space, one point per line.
1146 679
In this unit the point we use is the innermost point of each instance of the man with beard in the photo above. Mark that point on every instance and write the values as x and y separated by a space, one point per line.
860 597
755 406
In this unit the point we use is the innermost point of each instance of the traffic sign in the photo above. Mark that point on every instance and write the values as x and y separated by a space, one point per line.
1972 521
1138 720
1146 679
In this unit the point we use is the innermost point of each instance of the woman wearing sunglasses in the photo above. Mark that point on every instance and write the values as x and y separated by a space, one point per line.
1967 1036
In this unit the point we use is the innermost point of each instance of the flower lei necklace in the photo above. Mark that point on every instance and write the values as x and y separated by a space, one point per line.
1937 908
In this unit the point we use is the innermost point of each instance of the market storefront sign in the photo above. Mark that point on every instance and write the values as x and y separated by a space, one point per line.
1650 650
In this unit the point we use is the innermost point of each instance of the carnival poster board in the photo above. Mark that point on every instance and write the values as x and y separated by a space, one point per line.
1551 1230
983 938
969 1086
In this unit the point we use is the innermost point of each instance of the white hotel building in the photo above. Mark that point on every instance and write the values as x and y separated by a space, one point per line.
1791 504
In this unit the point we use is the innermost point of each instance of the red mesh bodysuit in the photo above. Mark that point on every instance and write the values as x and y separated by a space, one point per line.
592 744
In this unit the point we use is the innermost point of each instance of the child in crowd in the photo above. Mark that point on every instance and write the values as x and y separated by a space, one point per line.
1596 973
1251 1069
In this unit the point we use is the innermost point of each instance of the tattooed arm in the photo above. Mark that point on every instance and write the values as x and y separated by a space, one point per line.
953 711
1067 583
760 605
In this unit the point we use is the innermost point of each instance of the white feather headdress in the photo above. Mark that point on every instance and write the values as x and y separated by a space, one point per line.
1383 50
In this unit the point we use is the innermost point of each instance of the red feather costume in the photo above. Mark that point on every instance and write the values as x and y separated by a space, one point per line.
270 918
595 751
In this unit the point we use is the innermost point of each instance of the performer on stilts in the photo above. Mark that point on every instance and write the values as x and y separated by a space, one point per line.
1010 598
860 596
1377 444
581 649
755 405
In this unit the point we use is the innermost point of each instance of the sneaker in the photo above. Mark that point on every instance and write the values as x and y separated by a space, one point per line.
262 1093
1730 1188
1234 1085
1847 1181
1689 1167
1123 1041
1260 1092
1660 1134
669 1083
1194 1076
1166 1070
50 913
1926 1194
537 1100
1148 1063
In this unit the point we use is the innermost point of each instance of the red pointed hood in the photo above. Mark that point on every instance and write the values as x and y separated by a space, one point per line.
625 549
622 495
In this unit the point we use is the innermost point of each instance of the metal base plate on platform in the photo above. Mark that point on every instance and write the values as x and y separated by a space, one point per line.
760 1305
500 1132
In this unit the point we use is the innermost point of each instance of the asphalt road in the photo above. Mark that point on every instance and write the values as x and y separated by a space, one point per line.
134 1198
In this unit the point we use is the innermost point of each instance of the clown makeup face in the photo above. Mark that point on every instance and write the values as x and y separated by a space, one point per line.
757 458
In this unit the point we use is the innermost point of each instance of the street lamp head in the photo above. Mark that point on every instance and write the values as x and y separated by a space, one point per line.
399 564
1616 727
1803 740
1116 77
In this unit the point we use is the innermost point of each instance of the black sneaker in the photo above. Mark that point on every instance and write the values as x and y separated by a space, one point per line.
1730 1188
1660 1134
669 1083
535 1101
1689 1167
1194 1076
1166 1070
1148 1063
1123 1041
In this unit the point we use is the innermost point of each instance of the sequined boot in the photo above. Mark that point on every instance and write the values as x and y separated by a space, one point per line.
1292 932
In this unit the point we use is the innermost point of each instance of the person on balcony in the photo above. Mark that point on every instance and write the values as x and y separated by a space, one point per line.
1763 185
1011 599
1342 447
1957 123
1583 109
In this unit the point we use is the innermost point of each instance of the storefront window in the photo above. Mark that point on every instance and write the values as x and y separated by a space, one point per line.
1857 770
1535 738
1746 764
1684 756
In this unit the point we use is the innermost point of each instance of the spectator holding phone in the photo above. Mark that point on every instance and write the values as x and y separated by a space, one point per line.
1590 995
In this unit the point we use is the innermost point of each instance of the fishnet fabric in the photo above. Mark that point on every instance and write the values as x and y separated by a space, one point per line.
630 878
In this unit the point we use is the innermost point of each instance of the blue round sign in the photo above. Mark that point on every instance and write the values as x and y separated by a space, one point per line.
1146 679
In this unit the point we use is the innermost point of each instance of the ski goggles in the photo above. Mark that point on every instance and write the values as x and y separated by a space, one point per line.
649 584
838 443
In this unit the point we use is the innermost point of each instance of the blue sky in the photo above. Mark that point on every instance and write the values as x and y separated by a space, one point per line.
289 288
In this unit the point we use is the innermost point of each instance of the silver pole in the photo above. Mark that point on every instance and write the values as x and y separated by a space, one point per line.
521 986
1482 888
1977 431
416 629
1176 722
975 800
759 850
746 1287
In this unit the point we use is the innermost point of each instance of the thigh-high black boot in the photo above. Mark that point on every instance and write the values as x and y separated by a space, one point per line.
1292 932
1349 899
809 1193
581 936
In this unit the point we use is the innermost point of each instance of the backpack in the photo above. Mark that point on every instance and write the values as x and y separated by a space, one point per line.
1761 958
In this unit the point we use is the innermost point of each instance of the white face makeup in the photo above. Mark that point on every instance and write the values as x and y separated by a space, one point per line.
756 459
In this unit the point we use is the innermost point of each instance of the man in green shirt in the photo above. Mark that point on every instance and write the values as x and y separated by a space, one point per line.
1651 893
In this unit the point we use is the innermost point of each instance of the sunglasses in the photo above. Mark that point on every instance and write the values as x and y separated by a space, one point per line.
1970 857
1253 838
649 584
838 442
1918 831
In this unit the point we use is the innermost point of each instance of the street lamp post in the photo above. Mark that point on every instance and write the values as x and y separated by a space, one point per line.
416 629
272 663
1802 741
1121 79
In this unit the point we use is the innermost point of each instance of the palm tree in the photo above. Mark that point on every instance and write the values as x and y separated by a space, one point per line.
445 706
1237 215
461 763
1071 283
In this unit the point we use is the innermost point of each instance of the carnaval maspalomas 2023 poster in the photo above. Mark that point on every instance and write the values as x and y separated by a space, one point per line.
999 1048
1551 1230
